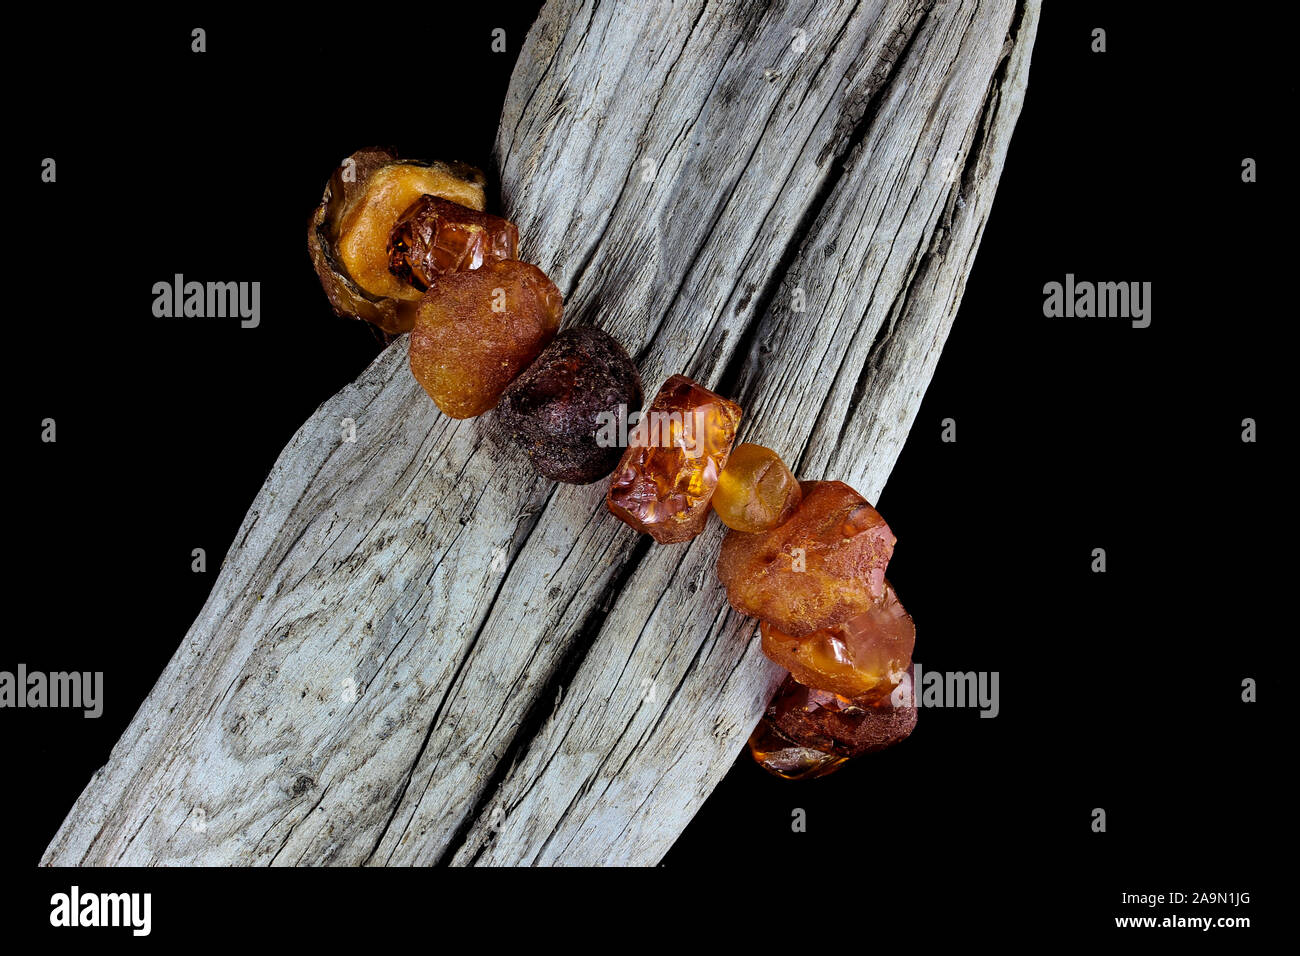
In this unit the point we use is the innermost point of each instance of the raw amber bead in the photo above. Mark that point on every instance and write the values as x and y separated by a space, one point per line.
788 760
865 657
475 331
435 236
365 228
561 408
667 475
824 566
347 237
756 491
842 726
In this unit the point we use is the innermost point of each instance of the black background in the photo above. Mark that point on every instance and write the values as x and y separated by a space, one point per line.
1118 690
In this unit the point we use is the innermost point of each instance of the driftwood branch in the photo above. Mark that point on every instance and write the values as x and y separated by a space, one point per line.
417 651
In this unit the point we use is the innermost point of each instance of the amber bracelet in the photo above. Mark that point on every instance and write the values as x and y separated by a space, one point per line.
408 247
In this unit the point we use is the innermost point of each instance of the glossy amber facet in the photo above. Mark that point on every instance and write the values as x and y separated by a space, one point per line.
788 760
865 657
435 236
842 726
756 491
668 473
475 331
822 567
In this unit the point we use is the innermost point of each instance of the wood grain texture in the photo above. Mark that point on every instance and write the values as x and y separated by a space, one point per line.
534 682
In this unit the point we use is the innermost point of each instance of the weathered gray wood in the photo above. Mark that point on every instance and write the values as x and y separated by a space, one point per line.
535 683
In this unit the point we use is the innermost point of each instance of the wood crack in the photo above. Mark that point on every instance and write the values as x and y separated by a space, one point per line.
537 715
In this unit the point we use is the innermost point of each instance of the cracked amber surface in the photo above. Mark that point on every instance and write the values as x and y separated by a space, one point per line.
823 567
865 657
836 725
788 760
756 491
666 477
435 236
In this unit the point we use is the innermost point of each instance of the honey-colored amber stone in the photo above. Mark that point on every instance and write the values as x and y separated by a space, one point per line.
756 491
865 657
822 567
668 473
365 228
348 233
841 726
435 236
475 331
787 760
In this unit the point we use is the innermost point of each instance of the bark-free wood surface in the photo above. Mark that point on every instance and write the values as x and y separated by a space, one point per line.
419 652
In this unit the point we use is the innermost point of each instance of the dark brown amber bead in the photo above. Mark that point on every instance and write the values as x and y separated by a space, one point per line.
865 657
435 236
843 726
824 566
788 760
565 406
667 475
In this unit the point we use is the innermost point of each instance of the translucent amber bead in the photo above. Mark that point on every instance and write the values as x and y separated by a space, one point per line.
822 567
668 473
865 657
435 236
755 491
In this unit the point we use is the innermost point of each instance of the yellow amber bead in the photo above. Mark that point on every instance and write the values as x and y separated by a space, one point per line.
756 491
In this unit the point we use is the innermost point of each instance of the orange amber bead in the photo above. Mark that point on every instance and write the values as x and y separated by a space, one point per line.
756 491
824 566
475 331
435 236
667 475
865 657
